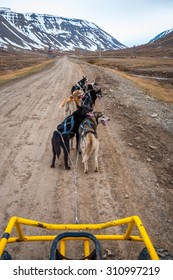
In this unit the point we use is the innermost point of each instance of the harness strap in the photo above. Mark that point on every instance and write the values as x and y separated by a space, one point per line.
88 122
79 85
87 100
91 129
64 126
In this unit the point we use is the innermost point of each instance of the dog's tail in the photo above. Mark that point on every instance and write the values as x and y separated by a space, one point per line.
56 141
62 104
89 147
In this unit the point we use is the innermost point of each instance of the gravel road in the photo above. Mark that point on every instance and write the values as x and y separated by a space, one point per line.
135 159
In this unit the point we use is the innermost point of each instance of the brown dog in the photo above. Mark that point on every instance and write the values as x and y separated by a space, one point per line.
71 102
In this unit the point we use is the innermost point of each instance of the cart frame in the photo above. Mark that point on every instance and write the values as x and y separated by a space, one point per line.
131 222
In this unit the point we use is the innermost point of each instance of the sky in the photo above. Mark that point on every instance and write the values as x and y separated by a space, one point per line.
131 22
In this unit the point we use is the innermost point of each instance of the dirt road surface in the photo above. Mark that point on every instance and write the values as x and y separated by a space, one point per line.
135 159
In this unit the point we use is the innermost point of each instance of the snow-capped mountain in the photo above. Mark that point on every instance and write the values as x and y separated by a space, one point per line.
160 35
40 31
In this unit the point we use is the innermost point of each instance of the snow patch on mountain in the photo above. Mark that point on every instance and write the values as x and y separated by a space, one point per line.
40 31
160 35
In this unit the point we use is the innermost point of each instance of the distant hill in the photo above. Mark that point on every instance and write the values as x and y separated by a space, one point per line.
160 35
30 31
161 45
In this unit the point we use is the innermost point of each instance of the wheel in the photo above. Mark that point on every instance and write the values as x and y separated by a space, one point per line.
162 254
5 256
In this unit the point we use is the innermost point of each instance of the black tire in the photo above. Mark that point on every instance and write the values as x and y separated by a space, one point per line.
162 254
5 256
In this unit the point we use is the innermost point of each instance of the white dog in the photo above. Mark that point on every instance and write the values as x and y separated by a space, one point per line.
89 142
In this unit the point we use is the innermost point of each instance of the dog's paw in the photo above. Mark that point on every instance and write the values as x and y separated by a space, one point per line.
96 170
52 166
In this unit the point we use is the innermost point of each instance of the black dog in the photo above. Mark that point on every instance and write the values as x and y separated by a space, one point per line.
91 86
80 84
90 97
65 131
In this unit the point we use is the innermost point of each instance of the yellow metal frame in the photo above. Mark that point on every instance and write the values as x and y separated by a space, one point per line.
133 221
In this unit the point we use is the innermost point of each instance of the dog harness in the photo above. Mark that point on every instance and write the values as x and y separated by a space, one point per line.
66 126
77 87
87 101
88 125
80 84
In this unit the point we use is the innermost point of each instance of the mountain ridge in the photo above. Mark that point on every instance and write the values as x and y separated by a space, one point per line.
39 31
161 35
